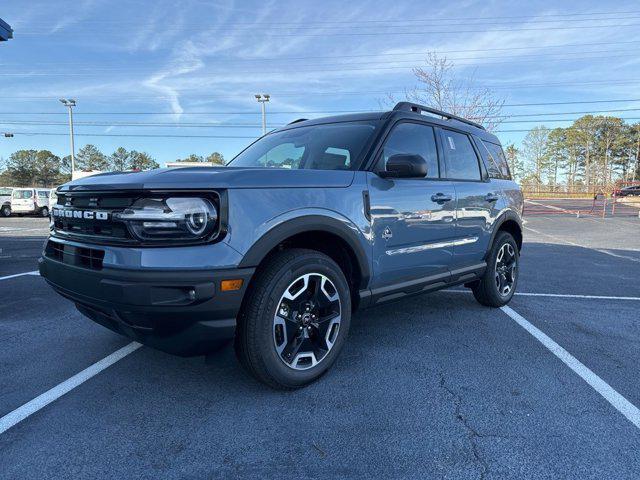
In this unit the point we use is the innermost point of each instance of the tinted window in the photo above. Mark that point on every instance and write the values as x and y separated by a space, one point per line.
22 194
43 194
333 146
284 155
496 161
5 191
414 139
460 157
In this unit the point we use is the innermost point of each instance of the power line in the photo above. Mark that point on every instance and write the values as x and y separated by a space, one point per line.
99 71
130 135
377 33
403 20
318 57
234 126
301 112
231 27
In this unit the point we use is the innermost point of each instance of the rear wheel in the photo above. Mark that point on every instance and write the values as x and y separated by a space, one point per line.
295 320
498 284
44 212
5 211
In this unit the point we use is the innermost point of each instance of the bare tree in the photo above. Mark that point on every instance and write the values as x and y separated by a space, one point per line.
438 87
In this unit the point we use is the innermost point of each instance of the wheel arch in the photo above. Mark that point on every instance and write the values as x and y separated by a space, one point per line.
509 222
339 239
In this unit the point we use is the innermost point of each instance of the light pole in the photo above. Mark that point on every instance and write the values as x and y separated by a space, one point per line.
264 98
70 103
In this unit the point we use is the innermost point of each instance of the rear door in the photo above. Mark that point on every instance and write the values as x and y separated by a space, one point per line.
23 200
477 198
412 218
43 198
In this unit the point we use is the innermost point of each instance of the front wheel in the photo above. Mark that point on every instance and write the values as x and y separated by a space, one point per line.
5 211
44 212
295 320
498 284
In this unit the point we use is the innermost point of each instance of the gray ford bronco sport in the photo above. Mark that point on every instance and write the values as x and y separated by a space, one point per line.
280 247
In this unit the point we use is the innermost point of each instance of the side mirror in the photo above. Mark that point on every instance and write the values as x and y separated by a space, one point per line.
405 166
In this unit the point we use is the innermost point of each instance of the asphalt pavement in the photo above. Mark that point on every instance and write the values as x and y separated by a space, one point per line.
434 386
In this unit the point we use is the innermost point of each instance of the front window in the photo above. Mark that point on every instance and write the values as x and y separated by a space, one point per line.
22 194
333 146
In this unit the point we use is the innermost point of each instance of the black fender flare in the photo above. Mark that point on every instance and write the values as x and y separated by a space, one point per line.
503 217
276 235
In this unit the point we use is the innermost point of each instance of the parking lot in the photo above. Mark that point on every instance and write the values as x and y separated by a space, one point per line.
435 386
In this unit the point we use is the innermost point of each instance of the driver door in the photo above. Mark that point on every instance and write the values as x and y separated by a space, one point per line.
413 219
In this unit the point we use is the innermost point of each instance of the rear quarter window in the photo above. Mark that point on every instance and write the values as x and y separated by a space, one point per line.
496 161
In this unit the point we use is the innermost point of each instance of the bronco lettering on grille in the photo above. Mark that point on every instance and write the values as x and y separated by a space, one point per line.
81 214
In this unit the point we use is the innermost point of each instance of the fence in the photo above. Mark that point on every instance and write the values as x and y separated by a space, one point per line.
581 200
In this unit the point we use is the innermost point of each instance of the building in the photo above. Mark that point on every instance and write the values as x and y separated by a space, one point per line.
6 32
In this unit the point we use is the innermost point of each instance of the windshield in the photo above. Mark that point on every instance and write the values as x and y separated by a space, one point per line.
333 146
22 193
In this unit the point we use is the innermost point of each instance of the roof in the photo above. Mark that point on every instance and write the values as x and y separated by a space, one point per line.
6 32
401 111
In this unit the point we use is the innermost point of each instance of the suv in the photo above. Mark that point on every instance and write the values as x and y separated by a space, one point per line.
279 248
5 201
630 191
30 200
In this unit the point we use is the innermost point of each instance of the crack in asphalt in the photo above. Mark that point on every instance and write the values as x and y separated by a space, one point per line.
472 432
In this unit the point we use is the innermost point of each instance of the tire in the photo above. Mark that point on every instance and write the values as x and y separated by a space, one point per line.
491 289
282 310
5 211
44 212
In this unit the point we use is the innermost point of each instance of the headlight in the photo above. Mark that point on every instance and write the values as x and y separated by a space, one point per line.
174 218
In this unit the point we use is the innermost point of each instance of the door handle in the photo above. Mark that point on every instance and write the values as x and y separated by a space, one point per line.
441 198
491 197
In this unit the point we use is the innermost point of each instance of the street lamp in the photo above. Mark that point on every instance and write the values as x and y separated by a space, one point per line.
70 103
264 98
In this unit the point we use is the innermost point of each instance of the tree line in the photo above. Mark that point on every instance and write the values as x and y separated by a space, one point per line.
42 168
595 151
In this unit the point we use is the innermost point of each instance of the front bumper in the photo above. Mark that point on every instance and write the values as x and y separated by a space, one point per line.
183 312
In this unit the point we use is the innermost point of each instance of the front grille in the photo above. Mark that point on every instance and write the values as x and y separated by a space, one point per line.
78 256
70 218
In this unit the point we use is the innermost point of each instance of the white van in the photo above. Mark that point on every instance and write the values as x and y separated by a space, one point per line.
30 200
5 201
53 198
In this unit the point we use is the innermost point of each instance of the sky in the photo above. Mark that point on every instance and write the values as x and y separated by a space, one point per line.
175 78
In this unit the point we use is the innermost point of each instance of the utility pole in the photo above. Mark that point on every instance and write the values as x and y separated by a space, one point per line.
70 103
264 98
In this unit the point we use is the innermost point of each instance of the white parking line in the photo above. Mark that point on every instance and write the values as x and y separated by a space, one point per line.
41 401
624 406
567 295
568 242
35 272
531 202
561 295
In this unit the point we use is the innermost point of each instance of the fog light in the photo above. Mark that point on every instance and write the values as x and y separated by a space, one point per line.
229 285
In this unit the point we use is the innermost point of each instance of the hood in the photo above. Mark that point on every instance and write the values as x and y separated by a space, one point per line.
213 177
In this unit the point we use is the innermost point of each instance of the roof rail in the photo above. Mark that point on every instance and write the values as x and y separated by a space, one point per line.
416 108
298 120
